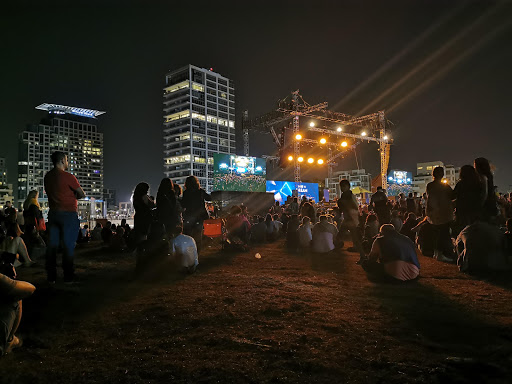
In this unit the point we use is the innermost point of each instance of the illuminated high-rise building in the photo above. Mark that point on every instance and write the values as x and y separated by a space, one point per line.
199 120
69 129
3 171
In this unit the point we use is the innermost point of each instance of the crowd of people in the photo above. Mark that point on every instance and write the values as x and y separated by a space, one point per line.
469 225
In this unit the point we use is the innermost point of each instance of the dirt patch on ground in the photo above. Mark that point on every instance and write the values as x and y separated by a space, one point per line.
284 318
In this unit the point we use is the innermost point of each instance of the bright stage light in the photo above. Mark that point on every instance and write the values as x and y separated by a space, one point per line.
312 124
300 159
311 160
298 136
323 141
385 137
363 133
320 161
344 144
290 158
339 129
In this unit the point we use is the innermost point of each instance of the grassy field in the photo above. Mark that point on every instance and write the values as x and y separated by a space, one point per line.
284 318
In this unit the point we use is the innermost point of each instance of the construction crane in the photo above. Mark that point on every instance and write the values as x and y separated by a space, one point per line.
294 106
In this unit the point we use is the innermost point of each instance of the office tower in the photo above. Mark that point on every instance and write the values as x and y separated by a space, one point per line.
69 129
3 171
199 120
5 188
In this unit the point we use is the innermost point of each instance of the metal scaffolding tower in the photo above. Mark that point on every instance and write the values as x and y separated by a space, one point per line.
294 106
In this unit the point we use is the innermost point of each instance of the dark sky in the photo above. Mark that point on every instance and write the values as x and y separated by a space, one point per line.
442 70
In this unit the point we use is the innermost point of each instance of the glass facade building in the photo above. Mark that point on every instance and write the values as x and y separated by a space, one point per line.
199 120
68 129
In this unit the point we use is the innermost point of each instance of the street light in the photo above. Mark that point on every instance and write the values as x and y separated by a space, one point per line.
311 160
339 129
323 140
320 161
290 158
385 137
363 133
312 124
300 159
344 144
298 136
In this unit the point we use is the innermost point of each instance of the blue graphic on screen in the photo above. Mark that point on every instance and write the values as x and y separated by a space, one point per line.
283 189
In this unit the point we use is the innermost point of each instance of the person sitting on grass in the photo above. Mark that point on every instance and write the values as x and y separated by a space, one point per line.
184 250
12 293
409 224
305 234
96 232
271 228
118 243
106 233
292 236
278 225
481 249
323 235
425 238
392 256
259 231
14 244
396 220
238 227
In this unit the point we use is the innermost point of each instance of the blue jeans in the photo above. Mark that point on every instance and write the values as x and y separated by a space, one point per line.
63 229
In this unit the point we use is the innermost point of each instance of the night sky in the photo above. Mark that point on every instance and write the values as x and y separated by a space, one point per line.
441 69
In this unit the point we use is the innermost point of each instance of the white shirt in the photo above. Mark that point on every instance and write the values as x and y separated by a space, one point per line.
184 249
305 235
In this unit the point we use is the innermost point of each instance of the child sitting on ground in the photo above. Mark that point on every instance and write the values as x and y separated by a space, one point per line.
184 250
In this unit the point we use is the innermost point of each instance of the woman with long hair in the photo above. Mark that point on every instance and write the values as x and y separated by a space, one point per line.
166 205
195 212
489 207
143 206
34 221
468 197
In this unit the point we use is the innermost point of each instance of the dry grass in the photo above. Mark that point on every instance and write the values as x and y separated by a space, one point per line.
279 319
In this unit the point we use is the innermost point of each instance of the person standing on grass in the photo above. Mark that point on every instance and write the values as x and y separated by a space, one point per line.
143 205
347 204
489 210
166 205
63 191
193 202
440 215
379 205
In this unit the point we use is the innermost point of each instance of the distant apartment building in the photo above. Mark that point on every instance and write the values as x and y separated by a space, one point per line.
126 209
69 129
357 178
109 196
424 175
199 120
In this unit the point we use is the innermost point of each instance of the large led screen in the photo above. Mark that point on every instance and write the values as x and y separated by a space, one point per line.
238 173
283 189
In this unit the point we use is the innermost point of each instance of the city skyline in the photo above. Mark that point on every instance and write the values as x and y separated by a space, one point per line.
440 70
